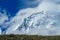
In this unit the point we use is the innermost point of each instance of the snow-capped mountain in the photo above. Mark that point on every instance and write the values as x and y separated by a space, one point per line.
38 23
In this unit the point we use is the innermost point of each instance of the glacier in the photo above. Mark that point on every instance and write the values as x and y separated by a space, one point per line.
41 20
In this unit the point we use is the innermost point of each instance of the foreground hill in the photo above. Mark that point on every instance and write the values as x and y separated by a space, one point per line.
28 37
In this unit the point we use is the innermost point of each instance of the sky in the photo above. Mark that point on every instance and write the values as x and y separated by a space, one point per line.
46 12
12 6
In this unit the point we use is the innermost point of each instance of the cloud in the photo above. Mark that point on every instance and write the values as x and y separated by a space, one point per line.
30 3
46 12
3 17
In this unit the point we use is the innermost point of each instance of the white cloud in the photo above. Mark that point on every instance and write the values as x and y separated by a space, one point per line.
30 3
3 17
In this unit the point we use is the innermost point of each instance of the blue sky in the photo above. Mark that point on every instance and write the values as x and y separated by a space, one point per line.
10 5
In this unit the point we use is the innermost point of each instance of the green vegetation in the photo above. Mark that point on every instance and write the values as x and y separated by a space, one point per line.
28 37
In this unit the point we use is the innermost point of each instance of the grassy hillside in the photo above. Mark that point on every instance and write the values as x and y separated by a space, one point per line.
26 37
